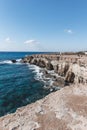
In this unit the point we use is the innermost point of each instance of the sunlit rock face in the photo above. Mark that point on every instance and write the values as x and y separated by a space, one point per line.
72 67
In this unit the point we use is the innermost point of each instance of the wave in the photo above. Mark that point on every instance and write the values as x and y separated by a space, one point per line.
37 70
39 75
6 62
10 62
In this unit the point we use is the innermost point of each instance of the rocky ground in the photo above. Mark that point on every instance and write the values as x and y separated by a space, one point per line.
65 109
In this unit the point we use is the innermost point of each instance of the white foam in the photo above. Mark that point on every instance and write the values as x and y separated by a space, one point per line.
18 60
6 62
39 75
36 70
10 62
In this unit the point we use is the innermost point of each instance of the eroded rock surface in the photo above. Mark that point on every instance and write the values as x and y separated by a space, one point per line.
65 109
72 67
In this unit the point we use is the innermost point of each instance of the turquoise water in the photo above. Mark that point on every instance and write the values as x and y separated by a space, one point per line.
18 83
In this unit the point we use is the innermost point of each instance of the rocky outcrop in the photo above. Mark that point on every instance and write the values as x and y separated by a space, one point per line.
72 67
13 61
49 66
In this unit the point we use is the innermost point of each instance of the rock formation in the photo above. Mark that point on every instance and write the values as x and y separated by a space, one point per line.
65 109
14 61
72 67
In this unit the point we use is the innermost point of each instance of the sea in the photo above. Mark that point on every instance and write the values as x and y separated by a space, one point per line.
20 83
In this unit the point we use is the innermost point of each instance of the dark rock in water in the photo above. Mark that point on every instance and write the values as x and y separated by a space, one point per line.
49 66
54 78
13 61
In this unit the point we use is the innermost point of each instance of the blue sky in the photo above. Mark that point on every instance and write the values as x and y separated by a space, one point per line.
43 25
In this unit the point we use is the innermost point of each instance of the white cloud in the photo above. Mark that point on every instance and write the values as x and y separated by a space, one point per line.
68 31
31 42
8 40
33 45
28 45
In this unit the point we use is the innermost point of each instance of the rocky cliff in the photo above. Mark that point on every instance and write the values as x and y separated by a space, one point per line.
72 67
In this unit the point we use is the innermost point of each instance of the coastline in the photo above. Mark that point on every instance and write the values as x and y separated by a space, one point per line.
64 109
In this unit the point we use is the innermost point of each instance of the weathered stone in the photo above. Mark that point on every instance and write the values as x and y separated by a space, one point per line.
42 63
49 66
63 65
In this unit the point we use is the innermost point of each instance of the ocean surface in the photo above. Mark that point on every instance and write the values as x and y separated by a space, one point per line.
19 83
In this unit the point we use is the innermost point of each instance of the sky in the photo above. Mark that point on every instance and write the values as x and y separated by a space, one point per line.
43 25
